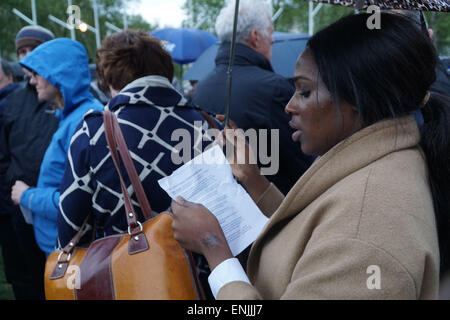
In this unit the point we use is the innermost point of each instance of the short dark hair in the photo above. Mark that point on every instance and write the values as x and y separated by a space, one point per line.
386 73
129 55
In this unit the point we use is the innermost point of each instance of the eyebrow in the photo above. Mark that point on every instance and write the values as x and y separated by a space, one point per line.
295 79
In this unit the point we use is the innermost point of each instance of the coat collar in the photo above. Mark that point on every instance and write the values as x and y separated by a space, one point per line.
149 90
244 56
348 156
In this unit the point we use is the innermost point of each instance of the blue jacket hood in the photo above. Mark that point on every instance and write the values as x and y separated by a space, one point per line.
63 63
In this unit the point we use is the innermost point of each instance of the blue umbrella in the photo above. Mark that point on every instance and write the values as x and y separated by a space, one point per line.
185 45
285 51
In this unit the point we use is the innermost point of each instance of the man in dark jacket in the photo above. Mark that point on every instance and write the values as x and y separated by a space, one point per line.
26 129
258 94
7 86
7 83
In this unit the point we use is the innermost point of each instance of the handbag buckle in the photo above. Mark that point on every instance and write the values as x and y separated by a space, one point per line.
140 227
69 255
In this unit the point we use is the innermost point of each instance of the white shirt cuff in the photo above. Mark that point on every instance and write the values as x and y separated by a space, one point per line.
228 271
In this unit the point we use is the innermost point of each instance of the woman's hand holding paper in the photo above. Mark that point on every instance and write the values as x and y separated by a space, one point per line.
198 230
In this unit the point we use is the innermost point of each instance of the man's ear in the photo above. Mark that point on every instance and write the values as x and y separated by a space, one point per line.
253 39
431 33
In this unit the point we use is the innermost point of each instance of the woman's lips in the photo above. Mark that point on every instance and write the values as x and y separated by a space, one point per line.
296 135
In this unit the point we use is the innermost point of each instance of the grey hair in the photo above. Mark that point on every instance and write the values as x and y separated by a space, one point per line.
253 14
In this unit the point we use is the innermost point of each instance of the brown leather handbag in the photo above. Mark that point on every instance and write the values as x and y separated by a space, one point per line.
144 263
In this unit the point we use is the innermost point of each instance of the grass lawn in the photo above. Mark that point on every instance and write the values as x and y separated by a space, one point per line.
6 292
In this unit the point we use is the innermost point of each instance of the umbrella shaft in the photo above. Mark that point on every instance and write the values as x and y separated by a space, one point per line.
230 66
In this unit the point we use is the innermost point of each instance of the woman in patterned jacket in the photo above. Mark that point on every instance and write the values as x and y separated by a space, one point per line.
138 72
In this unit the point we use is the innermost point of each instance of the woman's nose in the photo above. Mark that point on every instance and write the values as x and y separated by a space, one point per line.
290 106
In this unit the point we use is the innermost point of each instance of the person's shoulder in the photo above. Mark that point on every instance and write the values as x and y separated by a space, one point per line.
280 92
92 118
22 100
19 92
81 120
401 171
398 179
24 85
84 108
397 201
91 105
393 188
92 114
269 79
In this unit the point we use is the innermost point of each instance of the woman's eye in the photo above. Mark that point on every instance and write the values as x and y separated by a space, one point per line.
305 93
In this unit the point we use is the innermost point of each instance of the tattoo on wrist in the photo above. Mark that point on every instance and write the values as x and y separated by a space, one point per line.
211 241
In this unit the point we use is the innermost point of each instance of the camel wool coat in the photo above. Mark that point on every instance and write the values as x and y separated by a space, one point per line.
359 224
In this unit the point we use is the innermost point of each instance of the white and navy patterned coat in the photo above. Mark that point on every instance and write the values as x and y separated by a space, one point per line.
149 110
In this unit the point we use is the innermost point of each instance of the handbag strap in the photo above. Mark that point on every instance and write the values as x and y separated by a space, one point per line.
72 243
115 140
117 145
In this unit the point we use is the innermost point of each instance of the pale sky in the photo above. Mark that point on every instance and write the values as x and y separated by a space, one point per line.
167 13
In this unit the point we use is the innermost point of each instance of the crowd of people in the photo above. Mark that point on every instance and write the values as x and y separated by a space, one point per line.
364 153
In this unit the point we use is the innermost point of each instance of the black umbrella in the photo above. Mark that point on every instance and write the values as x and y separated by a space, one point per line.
422 5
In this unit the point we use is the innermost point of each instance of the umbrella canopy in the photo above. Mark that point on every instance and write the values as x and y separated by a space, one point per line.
423 5
185 45
285 51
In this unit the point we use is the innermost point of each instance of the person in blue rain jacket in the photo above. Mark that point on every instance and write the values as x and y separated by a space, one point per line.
61 74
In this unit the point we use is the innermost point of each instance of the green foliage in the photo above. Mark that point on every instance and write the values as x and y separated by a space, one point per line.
440 23
295 15
202 14
109 10
6 292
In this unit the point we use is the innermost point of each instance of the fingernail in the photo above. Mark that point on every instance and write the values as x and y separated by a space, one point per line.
179 200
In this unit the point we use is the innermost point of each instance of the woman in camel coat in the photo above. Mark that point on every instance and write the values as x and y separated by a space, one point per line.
367 220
